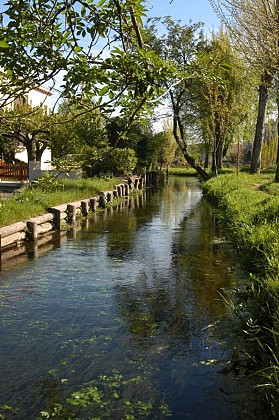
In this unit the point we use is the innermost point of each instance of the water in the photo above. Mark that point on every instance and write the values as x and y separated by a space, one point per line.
119 321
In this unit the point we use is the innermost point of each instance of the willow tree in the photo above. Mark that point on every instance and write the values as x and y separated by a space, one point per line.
83 48
220 96
179 46
254 26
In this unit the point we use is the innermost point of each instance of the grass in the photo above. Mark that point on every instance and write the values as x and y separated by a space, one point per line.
182 171
34 201
251 214
249 207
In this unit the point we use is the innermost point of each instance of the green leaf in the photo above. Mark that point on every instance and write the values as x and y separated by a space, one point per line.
103 91
4 44
111 94
100 4
77 49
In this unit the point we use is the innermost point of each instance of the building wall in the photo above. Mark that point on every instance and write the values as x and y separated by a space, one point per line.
37 97
40 97
21 155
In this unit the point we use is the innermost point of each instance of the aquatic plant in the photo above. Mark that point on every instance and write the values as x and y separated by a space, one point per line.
110 396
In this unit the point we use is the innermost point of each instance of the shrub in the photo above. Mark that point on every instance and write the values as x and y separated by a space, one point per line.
120 162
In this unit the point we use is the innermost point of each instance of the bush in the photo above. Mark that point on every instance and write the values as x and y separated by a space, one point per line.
120 162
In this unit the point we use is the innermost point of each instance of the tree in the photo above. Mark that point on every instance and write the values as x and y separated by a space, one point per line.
29 126
7 149
221 96
74 130
140 137
168 145
179 46
254 26
95 46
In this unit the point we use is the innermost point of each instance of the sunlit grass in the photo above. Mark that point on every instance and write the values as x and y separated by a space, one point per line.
182 172
249 206
31 202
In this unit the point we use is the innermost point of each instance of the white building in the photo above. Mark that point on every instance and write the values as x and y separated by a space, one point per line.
39 96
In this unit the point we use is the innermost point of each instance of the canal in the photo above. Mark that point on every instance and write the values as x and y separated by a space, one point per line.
124 319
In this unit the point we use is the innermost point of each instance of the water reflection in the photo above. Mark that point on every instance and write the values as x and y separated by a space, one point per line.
115 320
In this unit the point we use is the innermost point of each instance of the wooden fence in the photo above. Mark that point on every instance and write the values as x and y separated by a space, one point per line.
13 171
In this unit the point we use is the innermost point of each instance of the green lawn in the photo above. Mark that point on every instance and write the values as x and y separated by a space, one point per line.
34 201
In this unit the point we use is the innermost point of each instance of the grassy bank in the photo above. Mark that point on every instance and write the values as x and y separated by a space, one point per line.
31 202
249 207
182 171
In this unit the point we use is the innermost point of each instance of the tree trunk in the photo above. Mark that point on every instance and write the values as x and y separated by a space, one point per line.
214 169
31 151
183 147
218 149
219 155
257 146
206 160
39 153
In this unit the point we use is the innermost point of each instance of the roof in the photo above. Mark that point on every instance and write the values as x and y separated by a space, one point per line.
42 89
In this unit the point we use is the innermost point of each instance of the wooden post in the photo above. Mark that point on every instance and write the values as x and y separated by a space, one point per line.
126 189
92 203
119 191
72 212
102 200
85 207
57 218
109 196
32 227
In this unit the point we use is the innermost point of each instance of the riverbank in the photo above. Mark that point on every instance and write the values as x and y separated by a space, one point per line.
34 201
249 207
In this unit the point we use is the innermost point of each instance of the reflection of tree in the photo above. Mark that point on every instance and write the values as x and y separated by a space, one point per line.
122 234
122 225
121 241
152 311
184 300
203 260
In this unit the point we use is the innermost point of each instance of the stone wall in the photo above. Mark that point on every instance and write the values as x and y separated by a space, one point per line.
34 228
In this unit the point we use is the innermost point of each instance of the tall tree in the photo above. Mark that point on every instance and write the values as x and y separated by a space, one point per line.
168 145
254 26
220 95
179 45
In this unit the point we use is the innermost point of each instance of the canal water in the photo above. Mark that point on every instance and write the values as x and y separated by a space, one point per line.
124 319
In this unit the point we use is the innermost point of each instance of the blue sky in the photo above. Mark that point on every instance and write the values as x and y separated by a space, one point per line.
184 10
